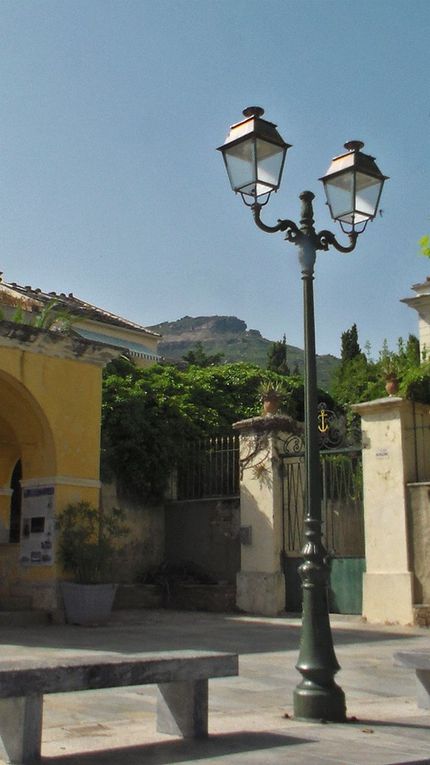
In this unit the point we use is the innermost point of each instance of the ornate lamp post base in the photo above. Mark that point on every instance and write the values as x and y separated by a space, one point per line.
319 704
317 697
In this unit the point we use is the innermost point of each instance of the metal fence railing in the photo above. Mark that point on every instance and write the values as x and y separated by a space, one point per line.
209 467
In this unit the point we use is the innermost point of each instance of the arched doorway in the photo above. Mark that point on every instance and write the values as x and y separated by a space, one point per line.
15 504
50 407
27 459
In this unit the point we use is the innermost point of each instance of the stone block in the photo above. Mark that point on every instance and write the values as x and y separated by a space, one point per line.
260 593
182 709
21 729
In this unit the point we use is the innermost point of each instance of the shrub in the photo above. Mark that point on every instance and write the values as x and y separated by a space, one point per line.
87 541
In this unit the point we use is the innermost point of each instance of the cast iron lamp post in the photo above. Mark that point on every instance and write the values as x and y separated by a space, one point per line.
254 154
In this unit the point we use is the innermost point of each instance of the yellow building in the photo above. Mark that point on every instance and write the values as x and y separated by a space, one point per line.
50 414
86 320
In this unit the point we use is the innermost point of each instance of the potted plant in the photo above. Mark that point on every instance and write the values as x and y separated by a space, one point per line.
271 395
390 371
85 549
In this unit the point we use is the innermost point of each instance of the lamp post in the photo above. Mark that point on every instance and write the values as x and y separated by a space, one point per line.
254 154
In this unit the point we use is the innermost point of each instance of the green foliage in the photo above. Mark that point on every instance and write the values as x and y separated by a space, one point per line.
270 387
414 376
197 357
361 379
86 541
277 357
18 316
389 362
411 352
399 363
350 348
425 245
357 379
51 316
148 413
143 413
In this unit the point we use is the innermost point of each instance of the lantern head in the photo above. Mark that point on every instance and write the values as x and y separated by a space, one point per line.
254 155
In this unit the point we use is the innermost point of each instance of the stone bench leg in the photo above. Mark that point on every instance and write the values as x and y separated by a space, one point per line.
182 709
423 688
21 729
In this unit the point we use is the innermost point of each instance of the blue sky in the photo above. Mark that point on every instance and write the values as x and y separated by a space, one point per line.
111 187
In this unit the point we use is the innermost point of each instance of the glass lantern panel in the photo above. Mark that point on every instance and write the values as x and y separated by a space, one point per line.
270 158
240 163
367 194
340 195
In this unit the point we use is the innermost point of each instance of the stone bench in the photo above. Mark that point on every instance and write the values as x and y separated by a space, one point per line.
181 676
420 662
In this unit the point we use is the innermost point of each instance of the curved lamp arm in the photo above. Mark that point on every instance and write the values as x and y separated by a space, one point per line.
282 225
326 238
321 241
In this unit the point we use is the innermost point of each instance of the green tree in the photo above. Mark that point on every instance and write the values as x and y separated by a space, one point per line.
412 375
198 358
277 357
361 379
356 378
412 354
148 413
350 348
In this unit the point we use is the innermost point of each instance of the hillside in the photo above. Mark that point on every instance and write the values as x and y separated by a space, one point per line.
230 336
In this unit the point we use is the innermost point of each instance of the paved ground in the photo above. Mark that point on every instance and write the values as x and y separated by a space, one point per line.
250 716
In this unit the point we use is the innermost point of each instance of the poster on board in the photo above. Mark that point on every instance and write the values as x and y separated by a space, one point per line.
37 526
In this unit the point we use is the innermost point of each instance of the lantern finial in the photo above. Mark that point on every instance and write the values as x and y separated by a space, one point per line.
253 111
354 145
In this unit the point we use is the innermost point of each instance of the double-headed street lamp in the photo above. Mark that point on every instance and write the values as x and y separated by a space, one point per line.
254 155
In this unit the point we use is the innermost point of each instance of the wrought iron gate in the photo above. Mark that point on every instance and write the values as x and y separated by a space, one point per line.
341 507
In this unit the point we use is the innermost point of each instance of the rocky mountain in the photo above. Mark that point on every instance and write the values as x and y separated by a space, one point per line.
230 336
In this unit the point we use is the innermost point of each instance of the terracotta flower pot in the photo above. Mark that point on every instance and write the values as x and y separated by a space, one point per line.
271 403
392 385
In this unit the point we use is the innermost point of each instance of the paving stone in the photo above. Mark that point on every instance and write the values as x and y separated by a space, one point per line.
247 722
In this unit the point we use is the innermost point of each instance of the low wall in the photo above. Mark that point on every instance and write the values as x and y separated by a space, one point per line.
205 532
182 596
143 547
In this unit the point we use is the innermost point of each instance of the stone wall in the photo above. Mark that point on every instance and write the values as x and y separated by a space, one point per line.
206 533
143 547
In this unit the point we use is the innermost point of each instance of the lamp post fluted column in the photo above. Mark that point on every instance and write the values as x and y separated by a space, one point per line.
317 696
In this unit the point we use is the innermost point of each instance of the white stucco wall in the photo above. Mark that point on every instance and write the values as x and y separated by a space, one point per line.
392 458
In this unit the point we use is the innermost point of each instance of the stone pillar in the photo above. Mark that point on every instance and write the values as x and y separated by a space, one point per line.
261 580
392 458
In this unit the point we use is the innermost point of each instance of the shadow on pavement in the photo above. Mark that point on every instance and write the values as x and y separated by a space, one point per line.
169 630
169 752
410 762
388 724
